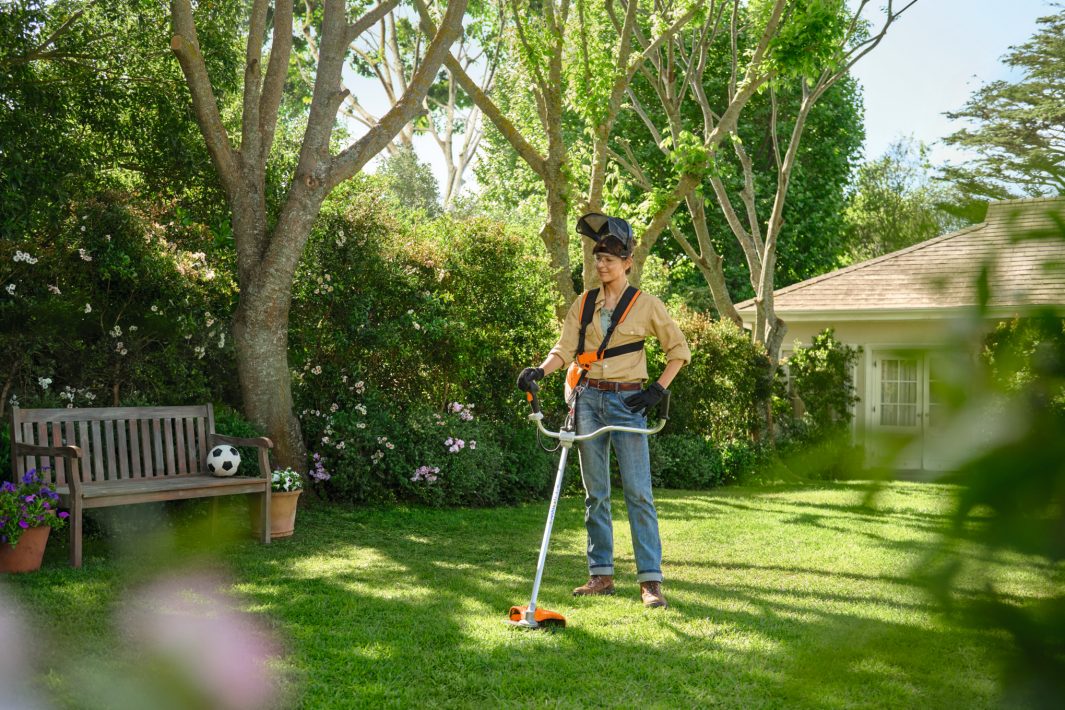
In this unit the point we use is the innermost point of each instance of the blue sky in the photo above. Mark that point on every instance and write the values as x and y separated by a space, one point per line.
930 62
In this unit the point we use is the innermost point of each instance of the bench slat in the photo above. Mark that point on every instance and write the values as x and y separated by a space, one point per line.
168 440
110 455
98 473
44 462
179 445
190 446
146 447
76 467
101 413
157 449
60 465
201 441
86 451
123 449
134 449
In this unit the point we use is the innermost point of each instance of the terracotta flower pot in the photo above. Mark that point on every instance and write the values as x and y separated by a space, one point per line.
282 513
26 556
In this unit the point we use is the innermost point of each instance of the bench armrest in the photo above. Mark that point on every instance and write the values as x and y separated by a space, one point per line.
67 451
260 441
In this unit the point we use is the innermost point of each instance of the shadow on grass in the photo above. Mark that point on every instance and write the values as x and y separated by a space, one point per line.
406 606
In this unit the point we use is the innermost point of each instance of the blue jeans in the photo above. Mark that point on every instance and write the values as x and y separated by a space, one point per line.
596 409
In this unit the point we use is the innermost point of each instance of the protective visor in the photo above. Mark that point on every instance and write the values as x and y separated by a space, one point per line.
599 227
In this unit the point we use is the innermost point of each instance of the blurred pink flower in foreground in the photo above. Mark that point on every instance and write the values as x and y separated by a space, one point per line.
16 652
221 651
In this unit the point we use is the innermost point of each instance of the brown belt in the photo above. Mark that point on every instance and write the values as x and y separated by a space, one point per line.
613 386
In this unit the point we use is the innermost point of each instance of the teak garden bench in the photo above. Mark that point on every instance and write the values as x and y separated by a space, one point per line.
103 457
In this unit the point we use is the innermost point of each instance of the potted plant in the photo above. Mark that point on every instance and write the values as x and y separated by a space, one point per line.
28 513
285 489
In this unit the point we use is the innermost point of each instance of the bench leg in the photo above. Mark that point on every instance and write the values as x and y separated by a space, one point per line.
75 533
266 515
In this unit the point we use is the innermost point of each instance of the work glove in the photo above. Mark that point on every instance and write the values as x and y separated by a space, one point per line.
643 401
528 376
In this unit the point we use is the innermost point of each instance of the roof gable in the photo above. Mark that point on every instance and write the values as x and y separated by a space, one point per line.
942 272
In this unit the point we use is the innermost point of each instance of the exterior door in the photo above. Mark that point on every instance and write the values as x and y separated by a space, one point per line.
906 410
897 408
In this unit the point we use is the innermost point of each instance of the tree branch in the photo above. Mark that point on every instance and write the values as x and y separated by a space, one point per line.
186 48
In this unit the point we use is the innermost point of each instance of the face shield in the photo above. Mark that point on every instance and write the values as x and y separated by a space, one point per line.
610 234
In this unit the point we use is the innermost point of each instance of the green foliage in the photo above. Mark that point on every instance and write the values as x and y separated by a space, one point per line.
1023 355
410 182
1016 125
896 202
809 36
393 324
103 106
719 394
115 307
693 461
821 377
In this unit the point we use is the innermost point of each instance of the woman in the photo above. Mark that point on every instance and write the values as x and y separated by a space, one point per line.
614 394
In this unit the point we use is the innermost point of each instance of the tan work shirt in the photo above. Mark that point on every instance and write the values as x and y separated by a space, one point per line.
647 317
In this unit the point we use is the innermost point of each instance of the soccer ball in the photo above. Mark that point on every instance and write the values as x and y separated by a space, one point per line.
223 460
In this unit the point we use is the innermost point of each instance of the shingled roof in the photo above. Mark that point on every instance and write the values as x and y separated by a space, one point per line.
941 273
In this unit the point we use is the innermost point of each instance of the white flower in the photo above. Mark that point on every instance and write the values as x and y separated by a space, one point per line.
417 326
333 407
44 382
360 425
340 444
23 256
410 311
221 340
119 347
361 409
390 445
85 256
155 308
325 439
88 308
200 350
10 288
90 396
317 370
55 290
123 351
133 329
116 332
208 275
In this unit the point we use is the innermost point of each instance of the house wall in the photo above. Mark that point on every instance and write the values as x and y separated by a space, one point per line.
926 334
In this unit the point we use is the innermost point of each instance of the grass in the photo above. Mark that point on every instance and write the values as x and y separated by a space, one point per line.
780 597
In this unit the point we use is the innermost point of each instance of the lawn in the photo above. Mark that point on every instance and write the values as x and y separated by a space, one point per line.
780 597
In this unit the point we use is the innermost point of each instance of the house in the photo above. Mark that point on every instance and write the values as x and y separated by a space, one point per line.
902 309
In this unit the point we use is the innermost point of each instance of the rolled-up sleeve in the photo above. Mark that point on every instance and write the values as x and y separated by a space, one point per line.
567 342
674 344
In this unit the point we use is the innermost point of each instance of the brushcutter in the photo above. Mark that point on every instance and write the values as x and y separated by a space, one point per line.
531 616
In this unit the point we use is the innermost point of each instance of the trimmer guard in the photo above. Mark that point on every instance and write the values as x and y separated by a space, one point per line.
542 618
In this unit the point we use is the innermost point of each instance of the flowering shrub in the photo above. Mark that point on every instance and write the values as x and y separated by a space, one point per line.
28 504
284 480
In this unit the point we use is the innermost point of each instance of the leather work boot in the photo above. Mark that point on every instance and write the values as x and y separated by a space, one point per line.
651 593
598 585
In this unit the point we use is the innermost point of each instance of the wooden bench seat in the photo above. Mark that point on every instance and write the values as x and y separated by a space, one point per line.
103 457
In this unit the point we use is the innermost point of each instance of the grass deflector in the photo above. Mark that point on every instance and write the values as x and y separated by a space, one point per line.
530 616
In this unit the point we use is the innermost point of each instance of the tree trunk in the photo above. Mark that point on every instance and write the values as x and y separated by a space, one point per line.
556 239
260 330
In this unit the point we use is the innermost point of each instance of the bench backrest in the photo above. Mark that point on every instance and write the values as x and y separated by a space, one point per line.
116 442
